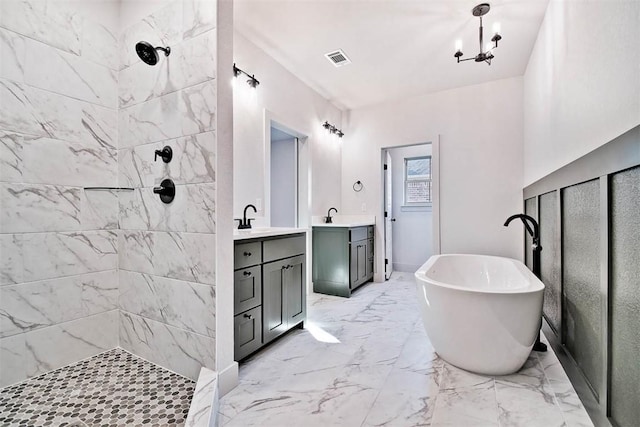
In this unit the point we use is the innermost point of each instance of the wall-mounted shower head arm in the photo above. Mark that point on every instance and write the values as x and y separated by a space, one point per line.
166 50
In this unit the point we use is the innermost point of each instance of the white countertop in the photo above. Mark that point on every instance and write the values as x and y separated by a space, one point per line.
254 233
345 224
345 221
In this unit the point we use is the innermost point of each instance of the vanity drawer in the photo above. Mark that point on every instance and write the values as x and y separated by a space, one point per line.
247 284
357 234
284 248
247 332
247 254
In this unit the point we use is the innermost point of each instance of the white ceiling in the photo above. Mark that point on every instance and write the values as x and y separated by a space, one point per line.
399 48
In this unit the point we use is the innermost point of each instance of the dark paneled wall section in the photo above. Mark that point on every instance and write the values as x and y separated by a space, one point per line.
590 234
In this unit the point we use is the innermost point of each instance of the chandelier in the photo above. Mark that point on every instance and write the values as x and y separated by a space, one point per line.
486 55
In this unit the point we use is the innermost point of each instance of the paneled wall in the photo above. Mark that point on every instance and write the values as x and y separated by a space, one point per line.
625 297
549 257
581 307
167 251
58 134
590 234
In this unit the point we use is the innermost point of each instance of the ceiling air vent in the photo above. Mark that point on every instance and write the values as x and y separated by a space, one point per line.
338 58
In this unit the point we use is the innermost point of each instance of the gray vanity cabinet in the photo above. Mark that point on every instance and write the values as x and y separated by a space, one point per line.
269 290
342 259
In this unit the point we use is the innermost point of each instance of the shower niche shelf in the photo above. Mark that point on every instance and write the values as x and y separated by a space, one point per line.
108 188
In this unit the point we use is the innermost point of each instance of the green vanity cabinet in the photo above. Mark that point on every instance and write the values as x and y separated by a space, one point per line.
269 290
342 259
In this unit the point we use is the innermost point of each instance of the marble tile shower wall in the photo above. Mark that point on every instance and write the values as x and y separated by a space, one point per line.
167 251
58 133
86 271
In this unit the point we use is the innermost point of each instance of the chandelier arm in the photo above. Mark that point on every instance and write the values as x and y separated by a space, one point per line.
481 31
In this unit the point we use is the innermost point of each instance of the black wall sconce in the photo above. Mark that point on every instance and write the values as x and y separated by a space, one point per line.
237 72
332 129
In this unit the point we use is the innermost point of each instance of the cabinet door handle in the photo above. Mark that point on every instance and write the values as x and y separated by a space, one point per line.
247 254
248 316
247 273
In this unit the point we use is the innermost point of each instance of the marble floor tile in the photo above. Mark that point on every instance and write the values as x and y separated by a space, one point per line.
469 406
521 405
367 361
405 399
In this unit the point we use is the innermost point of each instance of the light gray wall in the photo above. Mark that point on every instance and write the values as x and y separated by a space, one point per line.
480 132
283 183
58 134
293 104
413 228
573 104
167 252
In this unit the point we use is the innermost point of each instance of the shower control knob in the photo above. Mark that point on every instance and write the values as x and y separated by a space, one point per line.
167 191
166 153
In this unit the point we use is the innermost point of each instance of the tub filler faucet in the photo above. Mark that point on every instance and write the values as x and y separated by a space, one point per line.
533 229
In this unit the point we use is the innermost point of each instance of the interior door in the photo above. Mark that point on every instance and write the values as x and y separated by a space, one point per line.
388 224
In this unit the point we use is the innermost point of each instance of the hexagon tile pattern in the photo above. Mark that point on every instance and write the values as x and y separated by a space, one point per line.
114 388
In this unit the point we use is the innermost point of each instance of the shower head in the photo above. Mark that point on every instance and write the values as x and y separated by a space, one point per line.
149 54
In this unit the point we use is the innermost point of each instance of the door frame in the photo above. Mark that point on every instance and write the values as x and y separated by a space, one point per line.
304 172
303 182
388 213
435 178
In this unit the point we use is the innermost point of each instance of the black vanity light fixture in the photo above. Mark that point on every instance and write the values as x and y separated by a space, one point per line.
487 54
253 82
332 129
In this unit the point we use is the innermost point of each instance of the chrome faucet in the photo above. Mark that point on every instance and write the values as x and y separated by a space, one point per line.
534 231
244 222
328 219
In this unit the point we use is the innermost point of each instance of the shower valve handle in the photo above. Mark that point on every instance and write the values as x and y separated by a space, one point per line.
167 191
166 153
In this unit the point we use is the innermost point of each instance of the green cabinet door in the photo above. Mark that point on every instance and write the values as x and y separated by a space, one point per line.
274 317
294 277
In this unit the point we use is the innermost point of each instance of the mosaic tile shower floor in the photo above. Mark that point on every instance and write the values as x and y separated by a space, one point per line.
114 388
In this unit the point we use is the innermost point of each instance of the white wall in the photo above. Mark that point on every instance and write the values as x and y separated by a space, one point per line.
582 83
412 230
132 11
296 106
480 130
283 183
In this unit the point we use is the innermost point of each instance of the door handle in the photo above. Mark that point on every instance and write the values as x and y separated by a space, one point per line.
248 316
247 273
393 220
247 254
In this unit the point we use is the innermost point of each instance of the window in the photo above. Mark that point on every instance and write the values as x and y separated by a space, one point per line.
417 181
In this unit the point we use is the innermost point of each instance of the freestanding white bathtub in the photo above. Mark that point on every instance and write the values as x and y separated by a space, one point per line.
481 313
